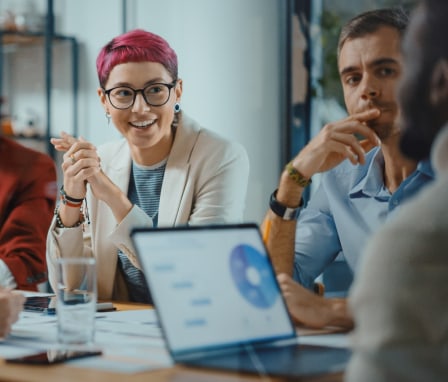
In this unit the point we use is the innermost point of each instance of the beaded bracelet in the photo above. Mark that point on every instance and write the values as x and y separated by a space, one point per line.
60 224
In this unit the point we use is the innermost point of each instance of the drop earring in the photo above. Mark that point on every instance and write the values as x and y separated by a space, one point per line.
108 119
177 107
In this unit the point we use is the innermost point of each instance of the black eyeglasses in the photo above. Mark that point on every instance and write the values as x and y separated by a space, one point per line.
156 94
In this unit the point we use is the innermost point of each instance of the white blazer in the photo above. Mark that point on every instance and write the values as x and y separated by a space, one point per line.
205 182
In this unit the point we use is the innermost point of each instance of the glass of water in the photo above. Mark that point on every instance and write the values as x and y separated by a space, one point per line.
76 300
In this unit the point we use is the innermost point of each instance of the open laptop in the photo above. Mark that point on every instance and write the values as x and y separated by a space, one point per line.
219 304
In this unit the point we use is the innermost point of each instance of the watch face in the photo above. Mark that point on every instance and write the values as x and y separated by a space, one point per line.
291 214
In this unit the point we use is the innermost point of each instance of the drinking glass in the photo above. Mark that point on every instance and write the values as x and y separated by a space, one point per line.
76 300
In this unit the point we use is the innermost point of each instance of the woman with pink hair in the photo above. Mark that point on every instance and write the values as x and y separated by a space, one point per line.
166 171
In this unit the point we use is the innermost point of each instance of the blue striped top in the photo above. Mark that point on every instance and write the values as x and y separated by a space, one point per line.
145 185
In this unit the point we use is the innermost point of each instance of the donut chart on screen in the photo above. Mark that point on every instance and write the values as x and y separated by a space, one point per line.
252 275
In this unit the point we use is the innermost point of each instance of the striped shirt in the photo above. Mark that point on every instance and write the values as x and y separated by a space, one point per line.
145 185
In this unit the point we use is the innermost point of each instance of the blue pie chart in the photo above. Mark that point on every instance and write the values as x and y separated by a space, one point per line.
253 276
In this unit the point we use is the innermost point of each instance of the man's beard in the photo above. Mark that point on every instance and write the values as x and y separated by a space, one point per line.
382 130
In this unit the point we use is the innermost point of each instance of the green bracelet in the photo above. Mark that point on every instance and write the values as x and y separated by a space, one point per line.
296 176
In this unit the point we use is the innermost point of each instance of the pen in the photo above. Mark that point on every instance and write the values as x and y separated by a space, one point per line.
100 307
50 311
266 230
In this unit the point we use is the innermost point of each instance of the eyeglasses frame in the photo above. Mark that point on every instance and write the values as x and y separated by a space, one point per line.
136 91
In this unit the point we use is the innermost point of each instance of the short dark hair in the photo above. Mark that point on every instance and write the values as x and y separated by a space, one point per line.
370 21
421 120
434 37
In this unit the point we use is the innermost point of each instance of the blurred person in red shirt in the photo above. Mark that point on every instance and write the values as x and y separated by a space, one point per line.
27 200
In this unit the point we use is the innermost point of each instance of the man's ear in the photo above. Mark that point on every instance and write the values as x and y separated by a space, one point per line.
438 92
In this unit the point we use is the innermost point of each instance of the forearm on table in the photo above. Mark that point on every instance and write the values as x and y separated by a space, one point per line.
339 313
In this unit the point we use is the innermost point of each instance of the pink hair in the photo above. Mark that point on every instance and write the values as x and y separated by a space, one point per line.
136 45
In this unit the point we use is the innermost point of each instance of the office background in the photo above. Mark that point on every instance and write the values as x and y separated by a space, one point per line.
229 56
245 66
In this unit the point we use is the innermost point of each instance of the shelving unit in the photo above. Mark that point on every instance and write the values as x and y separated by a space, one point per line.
46 40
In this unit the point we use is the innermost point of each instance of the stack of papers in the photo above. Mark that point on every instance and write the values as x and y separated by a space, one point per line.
131 341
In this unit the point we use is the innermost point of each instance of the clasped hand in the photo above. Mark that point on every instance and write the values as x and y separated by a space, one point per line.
81 165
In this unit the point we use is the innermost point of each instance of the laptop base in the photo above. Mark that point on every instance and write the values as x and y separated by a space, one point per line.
286 361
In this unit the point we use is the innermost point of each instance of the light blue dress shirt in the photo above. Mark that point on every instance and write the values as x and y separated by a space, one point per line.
350 203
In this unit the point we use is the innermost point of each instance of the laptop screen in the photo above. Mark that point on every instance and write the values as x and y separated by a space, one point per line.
212 286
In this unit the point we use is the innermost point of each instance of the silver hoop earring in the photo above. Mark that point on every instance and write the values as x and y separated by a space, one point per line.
108 119
177 107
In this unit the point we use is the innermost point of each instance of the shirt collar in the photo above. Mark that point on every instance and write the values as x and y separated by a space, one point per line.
371 181
425 168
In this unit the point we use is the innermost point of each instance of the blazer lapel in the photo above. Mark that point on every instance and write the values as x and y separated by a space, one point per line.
119 169
173 187
177 172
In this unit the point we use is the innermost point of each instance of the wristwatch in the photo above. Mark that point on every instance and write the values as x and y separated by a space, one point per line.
286 213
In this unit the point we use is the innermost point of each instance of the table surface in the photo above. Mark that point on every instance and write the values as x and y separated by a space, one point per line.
66 373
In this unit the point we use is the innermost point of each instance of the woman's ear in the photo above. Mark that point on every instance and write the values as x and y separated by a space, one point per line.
178 90
438 91
103 99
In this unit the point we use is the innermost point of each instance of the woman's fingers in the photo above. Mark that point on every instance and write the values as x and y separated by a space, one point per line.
64 143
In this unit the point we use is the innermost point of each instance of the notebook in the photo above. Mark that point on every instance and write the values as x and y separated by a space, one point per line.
219 304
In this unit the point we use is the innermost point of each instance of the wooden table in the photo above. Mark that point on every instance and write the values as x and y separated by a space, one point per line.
66 373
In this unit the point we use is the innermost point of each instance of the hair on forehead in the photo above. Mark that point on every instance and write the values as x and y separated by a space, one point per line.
136 45
370 21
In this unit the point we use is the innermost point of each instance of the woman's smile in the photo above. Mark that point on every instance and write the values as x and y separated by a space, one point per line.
143 124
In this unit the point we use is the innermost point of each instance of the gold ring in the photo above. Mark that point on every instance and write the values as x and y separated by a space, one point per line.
72 157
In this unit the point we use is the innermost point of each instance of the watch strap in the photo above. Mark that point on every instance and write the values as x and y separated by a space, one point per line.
286 213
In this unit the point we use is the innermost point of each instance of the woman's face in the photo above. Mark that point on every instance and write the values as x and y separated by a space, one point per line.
144 126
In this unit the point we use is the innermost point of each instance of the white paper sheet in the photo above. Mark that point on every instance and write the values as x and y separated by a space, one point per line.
131 341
